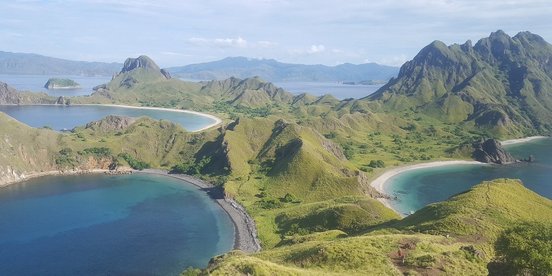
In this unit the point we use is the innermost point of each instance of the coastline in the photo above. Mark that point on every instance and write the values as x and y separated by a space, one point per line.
217 120
245 236
522 140
25 177
382 180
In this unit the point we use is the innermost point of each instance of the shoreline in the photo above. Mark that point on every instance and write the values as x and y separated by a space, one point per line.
217 120
25 177
382 180
245 236
522 140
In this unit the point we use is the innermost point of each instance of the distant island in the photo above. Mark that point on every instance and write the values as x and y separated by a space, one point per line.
366 82
55 83
275 71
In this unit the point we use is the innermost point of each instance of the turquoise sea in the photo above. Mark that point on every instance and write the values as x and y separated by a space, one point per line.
418 188
60 117
109 225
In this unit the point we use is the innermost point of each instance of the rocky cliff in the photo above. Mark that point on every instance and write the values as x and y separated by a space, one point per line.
110 123
502 83
9 95
491 151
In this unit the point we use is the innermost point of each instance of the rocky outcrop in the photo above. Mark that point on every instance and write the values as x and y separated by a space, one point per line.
63 101
139 62
143 62
166 74
8 94
111 123
491 151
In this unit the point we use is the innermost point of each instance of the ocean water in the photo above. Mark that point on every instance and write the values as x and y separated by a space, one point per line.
60 117
418 188
109 225
338 90
35 83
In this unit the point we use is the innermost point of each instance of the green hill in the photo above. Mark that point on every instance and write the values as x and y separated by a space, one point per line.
502 83
455 237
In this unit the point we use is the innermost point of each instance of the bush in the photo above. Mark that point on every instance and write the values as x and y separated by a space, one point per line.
376 164
65 158
288 198
424 261
100 152
134 163
526 249
191 168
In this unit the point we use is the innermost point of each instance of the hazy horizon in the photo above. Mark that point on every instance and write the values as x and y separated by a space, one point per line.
327 32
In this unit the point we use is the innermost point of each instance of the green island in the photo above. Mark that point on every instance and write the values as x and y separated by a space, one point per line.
56 83
302 165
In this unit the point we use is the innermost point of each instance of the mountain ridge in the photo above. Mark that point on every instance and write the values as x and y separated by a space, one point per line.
273 70
35 64
501 82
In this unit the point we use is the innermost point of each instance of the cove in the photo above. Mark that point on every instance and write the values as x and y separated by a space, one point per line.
61 117
417 188
136 224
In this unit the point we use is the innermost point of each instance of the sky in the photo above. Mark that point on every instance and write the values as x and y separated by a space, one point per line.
327 32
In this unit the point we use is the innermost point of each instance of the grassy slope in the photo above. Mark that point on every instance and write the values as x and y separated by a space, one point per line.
25 149
270 158
159 143
472 219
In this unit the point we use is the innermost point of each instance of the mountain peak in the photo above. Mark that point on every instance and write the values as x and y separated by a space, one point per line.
139 62
143 62
499 34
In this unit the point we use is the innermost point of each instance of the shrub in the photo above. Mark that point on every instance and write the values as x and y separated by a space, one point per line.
288 198
526 249
100 152
376 164
134 163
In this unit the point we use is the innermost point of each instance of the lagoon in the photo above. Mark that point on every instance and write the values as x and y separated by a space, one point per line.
109 225
417 188
61 117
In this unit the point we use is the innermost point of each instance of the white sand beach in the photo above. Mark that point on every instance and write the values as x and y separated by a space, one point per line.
522 140
382 180
217 120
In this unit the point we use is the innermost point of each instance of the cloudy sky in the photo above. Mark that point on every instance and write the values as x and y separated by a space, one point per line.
297 31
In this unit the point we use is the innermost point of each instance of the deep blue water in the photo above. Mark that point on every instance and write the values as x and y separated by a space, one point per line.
60 117
418 188
109 225
35 83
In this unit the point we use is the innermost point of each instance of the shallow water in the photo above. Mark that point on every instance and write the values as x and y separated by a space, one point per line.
109 225
60 117
418 188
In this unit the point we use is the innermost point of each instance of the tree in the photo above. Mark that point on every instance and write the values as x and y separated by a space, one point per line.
526 249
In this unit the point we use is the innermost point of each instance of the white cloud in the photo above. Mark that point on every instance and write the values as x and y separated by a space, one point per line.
238 42
315 49
266 44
